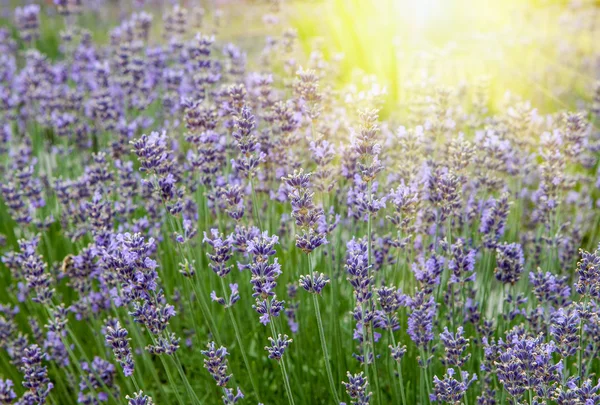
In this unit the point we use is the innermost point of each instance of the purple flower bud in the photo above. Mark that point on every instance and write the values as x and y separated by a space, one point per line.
278 346
357 387
216 363
7 395
117 339
314 283
449 389
454 347
509 259
139 399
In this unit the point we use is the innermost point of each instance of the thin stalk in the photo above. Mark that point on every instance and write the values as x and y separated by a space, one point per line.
239 341
254 205
399 366
184 378
371 337
322 338
286 380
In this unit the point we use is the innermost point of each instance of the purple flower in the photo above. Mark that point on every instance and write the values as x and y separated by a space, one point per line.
420 321
398 352
278 346
268 308
314 283
242 236
309 241
527 363
35 376
428 272
357 387
27 19
588 270
550 288
33 269
307 215
229 398
98 375
357 268
117 339
139 399
367 147
250 154
449 389
444 192
306 89
216 363
565 331
493 221
7 395
454 347
509 259
462 264
222 252
262 246
232 299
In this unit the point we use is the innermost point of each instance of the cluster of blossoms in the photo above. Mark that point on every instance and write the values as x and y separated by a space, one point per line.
140 173
128 256
216 364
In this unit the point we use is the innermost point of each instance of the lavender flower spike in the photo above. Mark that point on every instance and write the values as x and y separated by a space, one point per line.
216 363
7 395
117 338
139 399
278 346
356 388
314 283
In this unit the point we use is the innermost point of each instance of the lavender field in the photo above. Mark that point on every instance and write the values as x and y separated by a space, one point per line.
300 202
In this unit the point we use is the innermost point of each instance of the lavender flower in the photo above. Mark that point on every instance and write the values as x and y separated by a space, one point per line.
99 374
493 221
27 19
588 270
117 338
35 376
234 296
390 299
264 276
550 288
454 347
449 389
565 330
250 154
356 388
509 258
398 352
306 88
278 346
462 264
428 272
222 252
314 283
7 395
139 399
304 211
33 269
420 321
229 398
216 363
366 145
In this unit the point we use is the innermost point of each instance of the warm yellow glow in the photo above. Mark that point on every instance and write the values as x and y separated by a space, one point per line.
521 45
420 13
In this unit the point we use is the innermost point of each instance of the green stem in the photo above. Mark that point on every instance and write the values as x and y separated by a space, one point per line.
399 366
239 341
286 380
